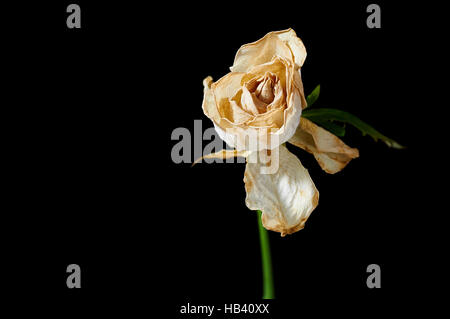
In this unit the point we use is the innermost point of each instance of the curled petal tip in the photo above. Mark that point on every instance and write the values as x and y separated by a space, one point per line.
207 82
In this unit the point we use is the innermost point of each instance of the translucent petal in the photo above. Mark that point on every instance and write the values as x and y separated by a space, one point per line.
330 152
286 197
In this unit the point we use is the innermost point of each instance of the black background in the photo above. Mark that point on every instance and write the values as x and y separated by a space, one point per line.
94 184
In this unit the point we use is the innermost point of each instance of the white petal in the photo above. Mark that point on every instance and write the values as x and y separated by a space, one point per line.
286 198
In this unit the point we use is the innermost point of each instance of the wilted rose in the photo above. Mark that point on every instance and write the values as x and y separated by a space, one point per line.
262 97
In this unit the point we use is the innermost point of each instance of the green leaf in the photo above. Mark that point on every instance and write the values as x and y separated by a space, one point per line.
326 114
334 128
313 96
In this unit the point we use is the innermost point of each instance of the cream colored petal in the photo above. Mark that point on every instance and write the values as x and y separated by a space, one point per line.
292 116
286 198
260 52
295 44
251 103
299 85
231 111
277 66
218 104
223 154
272 119
279 99
209 103
225 93
284 43
227 86
330 152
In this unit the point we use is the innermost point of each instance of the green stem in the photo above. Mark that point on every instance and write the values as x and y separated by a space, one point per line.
268 291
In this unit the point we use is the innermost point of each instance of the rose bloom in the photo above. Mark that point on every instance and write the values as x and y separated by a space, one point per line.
263 98
263 95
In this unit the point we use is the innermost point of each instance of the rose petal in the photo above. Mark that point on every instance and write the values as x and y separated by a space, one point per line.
227 86
251 103
278 100
223 154
273 119
295 44
278 66
225 114
330 152
286 198
299 85
284 43
209 104
231 111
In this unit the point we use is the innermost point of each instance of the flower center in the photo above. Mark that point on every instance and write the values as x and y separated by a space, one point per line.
265 89
261 94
